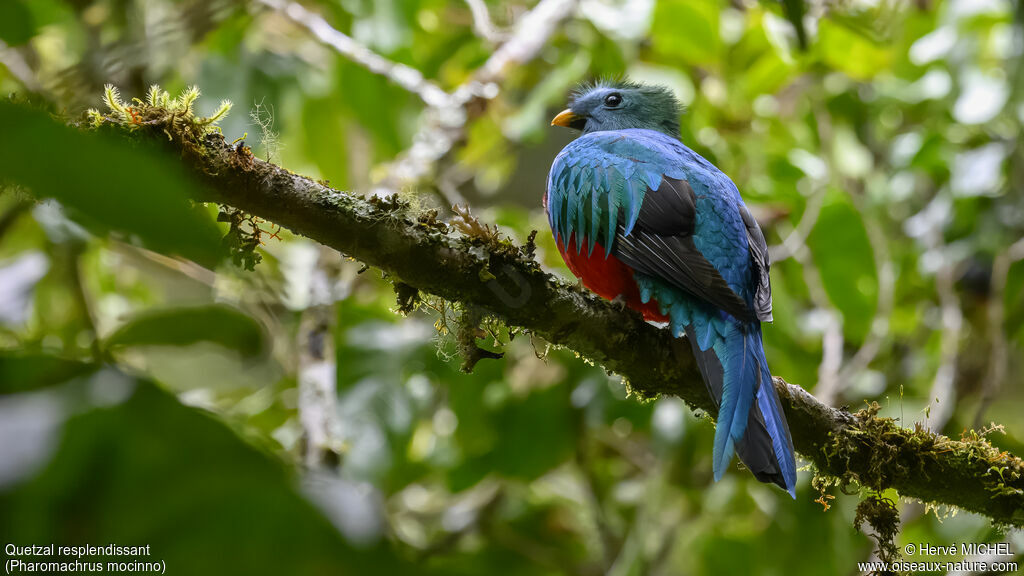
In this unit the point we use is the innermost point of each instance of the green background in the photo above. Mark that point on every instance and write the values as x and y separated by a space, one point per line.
154 399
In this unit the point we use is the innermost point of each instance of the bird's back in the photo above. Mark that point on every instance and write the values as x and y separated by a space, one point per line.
644 157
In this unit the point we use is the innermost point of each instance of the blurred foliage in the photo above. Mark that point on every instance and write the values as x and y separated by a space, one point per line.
150 390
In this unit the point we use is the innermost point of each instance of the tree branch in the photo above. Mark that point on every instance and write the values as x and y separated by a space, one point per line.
502 279
998 363
405 76
444 121
482 24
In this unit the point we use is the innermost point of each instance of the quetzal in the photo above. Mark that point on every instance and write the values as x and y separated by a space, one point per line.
641 218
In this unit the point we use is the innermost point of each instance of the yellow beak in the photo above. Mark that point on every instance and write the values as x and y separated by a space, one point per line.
565 118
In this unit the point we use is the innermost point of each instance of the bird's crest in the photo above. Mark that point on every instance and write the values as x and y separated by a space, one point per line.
663 94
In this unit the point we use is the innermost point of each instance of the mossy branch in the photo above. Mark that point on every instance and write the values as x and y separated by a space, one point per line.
499 278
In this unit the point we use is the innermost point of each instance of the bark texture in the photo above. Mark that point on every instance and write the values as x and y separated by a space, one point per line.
472 266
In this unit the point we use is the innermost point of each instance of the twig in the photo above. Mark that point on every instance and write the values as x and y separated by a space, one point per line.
831 334
443 125
405 76
117 62
186 268
10 217
943 390
834 375
812 208
633 453
610 544
999 356
886 291
832 340
75 274
484 509
668 540
448 183
318 395
482 23
797 238
652 522
532 32
18 67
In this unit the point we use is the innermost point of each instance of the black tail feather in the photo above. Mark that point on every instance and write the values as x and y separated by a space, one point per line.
755 450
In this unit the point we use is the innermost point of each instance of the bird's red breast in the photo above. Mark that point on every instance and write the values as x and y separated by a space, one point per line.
607 277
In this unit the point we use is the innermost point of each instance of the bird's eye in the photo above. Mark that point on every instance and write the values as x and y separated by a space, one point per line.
612 100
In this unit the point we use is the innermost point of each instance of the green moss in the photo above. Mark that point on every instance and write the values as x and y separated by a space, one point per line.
176 119
390 205
243 238
883 517
408 298
427 220
887 455
638 393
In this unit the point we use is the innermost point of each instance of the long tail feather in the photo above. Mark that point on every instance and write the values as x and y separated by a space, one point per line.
775 420
750 418
738 389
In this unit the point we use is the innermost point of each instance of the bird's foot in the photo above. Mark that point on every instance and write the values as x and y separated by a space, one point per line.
620 302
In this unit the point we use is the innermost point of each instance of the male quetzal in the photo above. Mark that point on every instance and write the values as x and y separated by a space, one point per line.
640 217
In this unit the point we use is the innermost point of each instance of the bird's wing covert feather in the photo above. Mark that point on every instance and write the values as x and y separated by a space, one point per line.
760 266
633 190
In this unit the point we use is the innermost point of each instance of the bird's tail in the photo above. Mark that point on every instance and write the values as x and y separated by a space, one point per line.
750 418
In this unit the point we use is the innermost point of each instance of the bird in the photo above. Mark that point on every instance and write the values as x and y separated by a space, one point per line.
641 219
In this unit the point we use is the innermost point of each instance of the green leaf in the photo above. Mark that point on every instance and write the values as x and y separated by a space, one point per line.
152 472
107 183
543 436
850 52
25 371
767 75
687 30
375 103
325 139
795 10
216 323
843 254
16 23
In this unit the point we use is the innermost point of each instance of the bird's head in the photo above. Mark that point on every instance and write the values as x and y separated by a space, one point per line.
619 105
